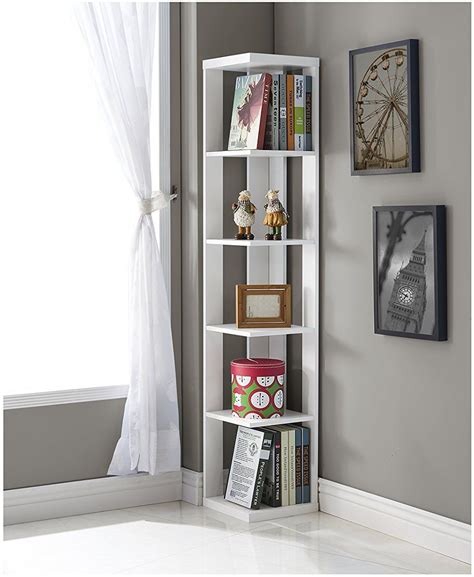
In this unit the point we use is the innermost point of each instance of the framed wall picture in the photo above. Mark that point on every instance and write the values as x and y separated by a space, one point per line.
263 306
385 110
410 271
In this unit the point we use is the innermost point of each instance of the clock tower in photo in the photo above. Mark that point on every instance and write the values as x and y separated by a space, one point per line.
407 304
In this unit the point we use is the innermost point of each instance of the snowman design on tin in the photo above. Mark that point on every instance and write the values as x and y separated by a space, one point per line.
265 381
238 399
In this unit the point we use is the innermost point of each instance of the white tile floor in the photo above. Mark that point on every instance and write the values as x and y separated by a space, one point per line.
179 538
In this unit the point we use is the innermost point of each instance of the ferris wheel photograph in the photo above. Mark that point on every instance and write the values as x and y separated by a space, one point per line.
384 108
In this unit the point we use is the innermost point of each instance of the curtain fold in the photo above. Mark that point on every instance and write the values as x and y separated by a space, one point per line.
120 38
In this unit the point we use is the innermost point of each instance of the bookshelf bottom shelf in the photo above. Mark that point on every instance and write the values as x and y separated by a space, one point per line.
254 515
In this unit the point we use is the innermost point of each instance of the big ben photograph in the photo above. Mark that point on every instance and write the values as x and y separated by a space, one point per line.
410 271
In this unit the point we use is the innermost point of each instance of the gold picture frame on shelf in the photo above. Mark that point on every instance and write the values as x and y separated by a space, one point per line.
261 306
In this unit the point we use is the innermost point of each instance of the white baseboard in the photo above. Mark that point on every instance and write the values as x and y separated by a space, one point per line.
90 496
192 487
416 526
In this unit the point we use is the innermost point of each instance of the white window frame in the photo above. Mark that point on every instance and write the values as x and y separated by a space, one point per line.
86 394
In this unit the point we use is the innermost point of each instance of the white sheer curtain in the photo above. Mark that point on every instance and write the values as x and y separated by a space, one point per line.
120 38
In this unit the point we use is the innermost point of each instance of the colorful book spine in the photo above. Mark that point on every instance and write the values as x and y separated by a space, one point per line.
308 111
263 115
275 111
290 112
299 107
306 465
299 464
291 468
283 139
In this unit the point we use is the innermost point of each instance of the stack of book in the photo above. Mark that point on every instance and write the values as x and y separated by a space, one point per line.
271 466
272 112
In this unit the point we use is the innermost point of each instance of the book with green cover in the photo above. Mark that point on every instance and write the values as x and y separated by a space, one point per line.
300 97
308 113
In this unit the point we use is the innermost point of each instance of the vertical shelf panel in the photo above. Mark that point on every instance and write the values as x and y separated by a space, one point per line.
277 254
213 174
310 285
257 257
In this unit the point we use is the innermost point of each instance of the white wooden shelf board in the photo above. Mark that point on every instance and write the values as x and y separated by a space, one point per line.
261 153
249 61
258 242
231 329
288 417
254 515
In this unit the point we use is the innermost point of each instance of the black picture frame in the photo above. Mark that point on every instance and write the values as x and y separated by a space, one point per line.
397 229
413 104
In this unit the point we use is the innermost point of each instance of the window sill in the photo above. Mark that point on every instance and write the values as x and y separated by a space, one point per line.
66 397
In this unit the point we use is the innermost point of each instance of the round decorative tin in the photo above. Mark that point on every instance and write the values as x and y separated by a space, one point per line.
258 388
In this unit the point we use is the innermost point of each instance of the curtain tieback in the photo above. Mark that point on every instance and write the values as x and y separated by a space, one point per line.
157 201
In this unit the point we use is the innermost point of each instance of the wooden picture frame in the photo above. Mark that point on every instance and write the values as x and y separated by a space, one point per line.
263 306
385 109
410 275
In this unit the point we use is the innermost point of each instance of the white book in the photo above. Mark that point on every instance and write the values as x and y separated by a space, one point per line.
243 472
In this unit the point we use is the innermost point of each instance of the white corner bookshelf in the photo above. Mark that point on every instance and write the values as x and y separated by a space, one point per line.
266 264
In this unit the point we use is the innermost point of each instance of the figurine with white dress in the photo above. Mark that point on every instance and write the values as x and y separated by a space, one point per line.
244 216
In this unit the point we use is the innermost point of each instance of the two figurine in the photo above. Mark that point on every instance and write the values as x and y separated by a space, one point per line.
244 216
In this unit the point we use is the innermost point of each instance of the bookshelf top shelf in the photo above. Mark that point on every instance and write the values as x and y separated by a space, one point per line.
254 61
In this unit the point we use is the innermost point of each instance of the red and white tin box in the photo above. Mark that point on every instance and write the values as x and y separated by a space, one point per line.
258 388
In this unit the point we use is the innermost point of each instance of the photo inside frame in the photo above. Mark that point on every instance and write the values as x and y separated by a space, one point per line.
381 115
263 306
406 272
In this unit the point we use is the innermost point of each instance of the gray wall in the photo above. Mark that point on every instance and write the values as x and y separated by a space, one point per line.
395 413
60 443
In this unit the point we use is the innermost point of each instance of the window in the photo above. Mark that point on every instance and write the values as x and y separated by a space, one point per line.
67 213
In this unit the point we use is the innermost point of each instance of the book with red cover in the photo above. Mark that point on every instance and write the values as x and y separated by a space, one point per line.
249 112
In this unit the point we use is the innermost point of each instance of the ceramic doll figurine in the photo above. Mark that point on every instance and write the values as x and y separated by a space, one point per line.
275 216
244 216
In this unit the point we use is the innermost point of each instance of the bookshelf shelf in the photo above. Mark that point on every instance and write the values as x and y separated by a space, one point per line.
288 417
254 516
231 329
266 263
261 153
250 243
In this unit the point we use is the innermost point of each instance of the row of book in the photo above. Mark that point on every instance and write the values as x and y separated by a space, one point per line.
272 112
271 466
